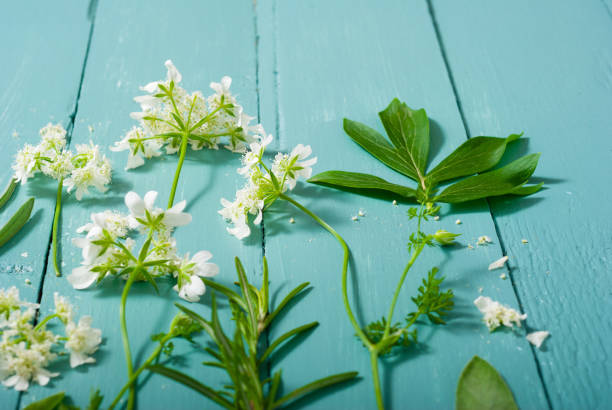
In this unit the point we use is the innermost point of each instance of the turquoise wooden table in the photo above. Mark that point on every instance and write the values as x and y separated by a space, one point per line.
479 67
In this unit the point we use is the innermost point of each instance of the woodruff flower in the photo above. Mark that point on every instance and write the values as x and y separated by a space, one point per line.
27 350
264 185
108 247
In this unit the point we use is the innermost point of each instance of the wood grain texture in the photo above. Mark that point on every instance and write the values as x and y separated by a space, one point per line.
39 80
349 59
546 68
129 46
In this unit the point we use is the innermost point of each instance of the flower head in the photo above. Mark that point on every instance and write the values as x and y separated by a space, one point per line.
495 314
83 341
63 309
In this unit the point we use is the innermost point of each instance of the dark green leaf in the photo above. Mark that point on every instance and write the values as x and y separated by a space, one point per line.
16 222
191 383
498 182
230 294
409 131
314 386
244 286
481 387
377 146
276 378
8 192
356 180
285 337
473 156
48 403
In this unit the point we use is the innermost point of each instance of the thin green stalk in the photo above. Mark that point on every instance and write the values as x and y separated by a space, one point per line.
58 210
376 379
45 320
124 336
345 259
146 364
184 141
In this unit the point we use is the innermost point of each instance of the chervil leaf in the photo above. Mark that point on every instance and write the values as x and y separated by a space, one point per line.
16 222
377 146
431 301
481 387
409 131
356 180
473 156
501 181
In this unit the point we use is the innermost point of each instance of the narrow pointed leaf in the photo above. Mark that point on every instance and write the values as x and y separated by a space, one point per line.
16 222
473 156
498 182
408 130
199 319
48 403
356 180
230 294
527 190
314 386
244 286
192 384
8 192
284 302
379 147
481 387
285 337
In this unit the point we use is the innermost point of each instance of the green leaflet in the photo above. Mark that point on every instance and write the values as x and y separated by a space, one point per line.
481 387
8 192
377 146
16 222
48 403
408 131
473 156
356 180
501 181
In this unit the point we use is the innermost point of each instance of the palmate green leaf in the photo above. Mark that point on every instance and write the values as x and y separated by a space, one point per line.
476 155
315 386
191 383
379 147
356 180
16 222
48 403
409 131
8 192
502 181
481 387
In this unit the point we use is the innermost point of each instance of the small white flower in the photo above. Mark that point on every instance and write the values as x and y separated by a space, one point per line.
483 240
537 338
91 168
190 287
25 163
495 314
82 277
53 137
222 88
293 166
139 147
498 263
59 166
63 308
254 154
83 341
22 364
139 207
9 301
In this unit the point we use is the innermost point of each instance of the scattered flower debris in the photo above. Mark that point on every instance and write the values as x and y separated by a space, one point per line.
498 263
437 218
503 276
354 218
524 241
495 314
458 222
394 202
537 338
292 221
24 255
483 240
361 212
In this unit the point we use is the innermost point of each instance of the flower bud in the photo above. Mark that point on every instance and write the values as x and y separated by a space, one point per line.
443 237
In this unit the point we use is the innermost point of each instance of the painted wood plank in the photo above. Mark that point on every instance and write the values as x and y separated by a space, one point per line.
349 59
546 68
39 80
130 44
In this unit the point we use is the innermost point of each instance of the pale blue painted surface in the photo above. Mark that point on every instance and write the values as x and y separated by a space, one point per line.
308 65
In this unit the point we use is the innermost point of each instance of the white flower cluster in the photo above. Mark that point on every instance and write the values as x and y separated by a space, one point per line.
495 314
107 249
27 350
169 114
264 185
88 167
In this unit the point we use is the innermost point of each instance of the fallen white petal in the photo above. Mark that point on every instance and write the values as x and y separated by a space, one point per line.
498 263
537 338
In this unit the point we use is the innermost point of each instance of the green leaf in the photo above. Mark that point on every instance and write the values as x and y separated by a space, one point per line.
284 337
409 131
48 403
8 192
498 182
481 387
16 222
314 386
377 146
245 294
230 294
356 180
473 156
527 190
192 384
284 302
95 400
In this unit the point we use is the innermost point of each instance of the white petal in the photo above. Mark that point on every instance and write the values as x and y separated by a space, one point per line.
149 199
173 73
201 257
134 203
82 277
180 219
498 263
537 338
178 207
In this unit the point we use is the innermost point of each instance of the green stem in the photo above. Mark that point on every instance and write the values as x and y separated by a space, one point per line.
58 210
45 320
124 336
398 289
347 305
146 364
376 379
184 141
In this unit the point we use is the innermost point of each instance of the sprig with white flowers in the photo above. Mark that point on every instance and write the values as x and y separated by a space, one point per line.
110 249
172 119
80 170
27 350
265 184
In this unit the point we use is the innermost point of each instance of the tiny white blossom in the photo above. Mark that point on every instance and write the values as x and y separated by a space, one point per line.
483 240
63 308
91 169
139 147
537 338
498 263
25 163
293 166
83 341
140 207
495 314
190 287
